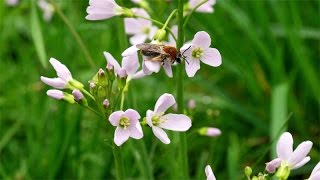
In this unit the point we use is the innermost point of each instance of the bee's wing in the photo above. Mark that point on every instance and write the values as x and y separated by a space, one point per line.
152 48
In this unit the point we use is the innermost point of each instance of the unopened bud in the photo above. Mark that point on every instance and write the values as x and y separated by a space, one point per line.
60 95
102 79
78 96
248 171
209 131
125 12
101 92
191 104
283 172
106 103
160 35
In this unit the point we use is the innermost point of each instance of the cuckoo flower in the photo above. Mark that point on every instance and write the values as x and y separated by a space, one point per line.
104 9
64 75
204 8
140 29
158 121
127 124
315 174
199 50
60 95
209 173
130 66
287 158
12 2
210 131
47 9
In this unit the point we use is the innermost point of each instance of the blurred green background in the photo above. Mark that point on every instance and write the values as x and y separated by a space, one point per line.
269 77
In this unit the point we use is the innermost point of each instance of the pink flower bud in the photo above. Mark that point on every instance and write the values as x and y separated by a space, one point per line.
106 103
78 96
56 94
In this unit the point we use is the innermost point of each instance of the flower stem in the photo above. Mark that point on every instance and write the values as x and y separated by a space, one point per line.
182 136
192 11
169 18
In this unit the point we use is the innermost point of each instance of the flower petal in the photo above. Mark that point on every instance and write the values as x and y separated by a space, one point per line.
138 38
56 94
148 117
145 70
138 75
164 102
284 146
110 60
136 131
192 66
202 39
160 134
133 115
301 163
62 70
131 64
121 135
130 51
167 68
176 122
54 82
211 57
115 117
300 152
316 169
315 176
131 26
273 165
213 132
152 65
209 173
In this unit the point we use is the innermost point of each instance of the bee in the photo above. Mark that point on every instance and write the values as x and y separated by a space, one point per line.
160 53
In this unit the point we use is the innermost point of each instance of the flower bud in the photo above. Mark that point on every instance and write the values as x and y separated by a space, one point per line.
78 96
209 131
60 95
101 92
110 72
106 103
160 35
248 171
125 12
191 104
102 79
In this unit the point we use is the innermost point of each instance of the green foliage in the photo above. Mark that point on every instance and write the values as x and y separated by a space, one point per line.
270 54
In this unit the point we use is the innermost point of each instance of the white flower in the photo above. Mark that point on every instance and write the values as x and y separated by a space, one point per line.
47 9
204 8
103 9
209 173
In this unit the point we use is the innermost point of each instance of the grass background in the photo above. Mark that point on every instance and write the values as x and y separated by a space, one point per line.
270 74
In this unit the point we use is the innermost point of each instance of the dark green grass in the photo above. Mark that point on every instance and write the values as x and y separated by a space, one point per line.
270 69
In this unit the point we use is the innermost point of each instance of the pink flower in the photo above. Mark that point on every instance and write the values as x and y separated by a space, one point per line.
209 173
103 9
141 29
315 174
204 8
130 66
158 121
47 9
127 124
63 73
287 157
78 96
210 131
174 30
12 2
60 95
199 50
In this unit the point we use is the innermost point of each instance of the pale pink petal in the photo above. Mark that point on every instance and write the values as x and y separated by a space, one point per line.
62 71
160 134
300 152
174 30
202 39
148 117
131 64
78 96
56 94
121 135
138 75
192 66
187 49
115 117
315 176
167 68
164 102
54 82
213 132
211 57
152 66
273 165
136 131
316 169
133 115
284 146
110 60
209 173
301 163
102 9
152 32
130 51
132 26
176 122
205 8
145 70
138 38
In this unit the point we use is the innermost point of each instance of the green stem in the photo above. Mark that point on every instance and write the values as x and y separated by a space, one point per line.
74 34
88 94
192 11
182 136
96 112
118 160
169 18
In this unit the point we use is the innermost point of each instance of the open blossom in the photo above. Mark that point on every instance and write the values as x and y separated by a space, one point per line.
63 73
127 124
209 173
287 157
204 8
47 9
199 50
140 29
158 121
130 65
315 174
103 9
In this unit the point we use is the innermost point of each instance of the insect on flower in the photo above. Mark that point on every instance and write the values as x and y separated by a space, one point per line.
160 53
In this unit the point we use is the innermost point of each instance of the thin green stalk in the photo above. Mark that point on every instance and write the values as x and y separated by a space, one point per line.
87 93
74 34
97 113
169 18
192 11
182 136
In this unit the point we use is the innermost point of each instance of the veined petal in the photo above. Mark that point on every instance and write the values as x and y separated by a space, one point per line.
300 152
115 117
62 71
273 165
211 57
54 82
176 122
209 173
160 134
110 59
301 163
131 64
284 146
136 131
152 65
167 68
130 51
202 39
164 102
192 66
138 38
133 115
121 135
